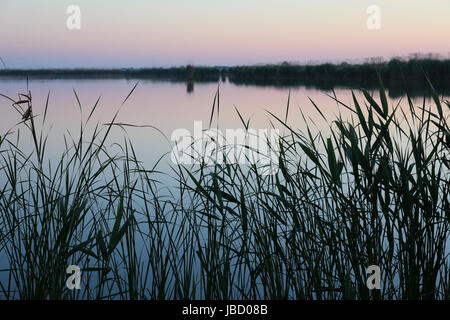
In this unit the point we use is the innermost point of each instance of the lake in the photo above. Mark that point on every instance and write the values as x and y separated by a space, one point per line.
148 118
168 106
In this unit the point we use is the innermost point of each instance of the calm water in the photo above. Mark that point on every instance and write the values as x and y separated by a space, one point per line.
164 105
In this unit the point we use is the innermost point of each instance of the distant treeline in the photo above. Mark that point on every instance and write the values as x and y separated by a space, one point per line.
394 73
174 73
397 74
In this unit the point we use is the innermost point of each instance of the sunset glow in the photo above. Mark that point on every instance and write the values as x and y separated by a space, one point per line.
162 33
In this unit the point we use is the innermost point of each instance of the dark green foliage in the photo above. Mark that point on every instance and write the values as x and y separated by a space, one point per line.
374 192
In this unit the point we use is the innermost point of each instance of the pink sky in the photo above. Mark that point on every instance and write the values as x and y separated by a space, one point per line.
139 33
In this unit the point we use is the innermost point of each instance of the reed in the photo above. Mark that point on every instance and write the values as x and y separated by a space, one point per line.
374 192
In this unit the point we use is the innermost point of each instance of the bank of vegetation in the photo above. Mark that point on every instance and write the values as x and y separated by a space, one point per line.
375 191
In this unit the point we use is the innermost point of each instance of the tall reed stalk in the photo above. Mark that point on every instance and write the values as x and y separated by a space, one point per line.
374 192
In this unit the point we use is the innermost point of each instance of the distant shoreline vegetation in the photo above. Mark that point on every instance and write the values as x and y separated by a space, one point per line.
398 75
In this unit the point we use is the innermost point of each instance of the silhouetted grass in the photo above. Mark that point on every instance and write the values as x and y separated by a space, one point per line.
374 192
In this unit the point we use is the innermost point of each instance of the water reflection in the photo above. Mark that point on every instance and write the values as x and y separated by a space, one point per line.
170 105
190 87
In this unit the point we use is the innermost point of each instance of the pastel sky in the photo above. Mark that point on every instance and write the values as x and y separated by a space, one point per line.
137 33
